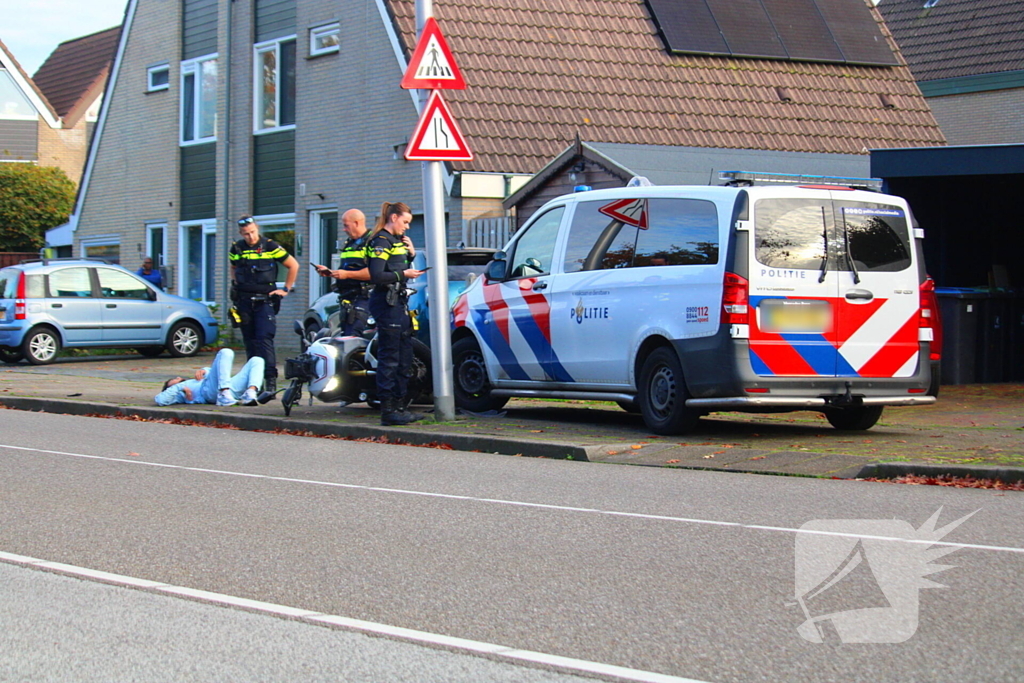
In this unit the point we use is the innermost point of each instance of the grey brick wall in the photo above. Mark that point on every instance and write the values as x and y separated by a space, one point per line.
982 118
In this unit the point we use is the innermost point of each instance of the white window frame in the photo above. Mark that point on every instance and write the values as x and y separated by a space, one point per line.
150 227
315 246
318 33
100 241
153 70
194 68
209 228
257 85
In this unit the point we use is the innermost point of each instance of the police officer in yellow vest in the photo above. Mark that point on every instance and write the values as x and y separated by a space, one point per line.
254 260
352 279
389 255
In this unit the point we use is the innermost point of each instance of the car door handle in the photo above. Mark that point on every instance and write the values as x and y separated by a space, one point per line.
57 306
537 286
859 294
111 305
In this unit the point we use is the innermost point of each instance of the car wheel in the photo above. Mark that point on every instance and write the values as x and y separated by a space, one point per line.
421 384
663 394
854 418
41 346
11 355
184 340
150 351
472 388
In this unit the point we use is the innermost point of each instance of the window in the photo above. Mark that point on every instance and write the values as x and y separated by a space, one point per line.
274 86
198 242
106 248
283 234
676 232
155 244
115 284
877 236
791 233
324 40
533 251
70 282
159 77
199 100
324 242
13 103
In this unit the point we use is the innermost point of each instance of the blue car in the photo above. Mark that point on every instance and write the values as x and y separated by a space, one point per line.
463 266
77 303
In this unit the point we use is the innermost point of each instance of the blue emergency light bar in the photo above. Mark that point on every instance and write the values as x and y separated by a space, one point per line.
741 178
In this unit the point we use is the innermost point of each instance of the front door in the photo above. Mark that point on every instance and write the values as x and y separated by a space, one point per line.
129 313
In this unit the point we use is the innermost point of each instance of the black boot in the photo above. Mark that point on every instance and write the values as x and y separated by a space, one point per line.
391 414
269 390
403 409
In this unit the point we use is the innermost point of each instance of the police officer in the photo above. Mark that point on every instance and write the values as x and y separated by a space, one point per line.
352 279
388 255
254 260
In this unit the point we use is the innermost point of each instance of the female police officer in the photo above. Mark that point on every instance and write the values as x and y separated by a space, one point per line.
389 254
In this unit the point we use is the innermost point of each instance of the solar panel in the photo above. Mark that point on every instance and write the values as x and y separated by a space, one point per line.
799 30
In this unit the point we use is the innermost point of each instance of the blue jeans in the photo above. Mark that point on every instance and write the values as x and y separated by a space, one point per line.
219 377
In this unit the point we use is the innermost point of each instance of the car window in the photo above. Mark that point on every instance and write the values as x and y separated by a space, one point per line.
115 284
70 282
534 249
791 233
597 241
877 236
9 282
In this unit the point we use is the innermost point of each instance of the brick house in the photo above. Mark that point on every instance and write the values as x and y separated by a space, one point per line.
968 59
291 110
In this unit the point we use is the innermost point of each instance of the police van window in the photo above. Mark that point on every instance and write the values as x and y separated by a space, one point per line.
790 233
534 249
680 232
117 285
70 282
877 235
598 241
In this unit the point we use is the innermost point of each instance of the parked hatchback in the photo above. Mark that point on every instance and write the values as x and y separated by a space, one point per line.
76 303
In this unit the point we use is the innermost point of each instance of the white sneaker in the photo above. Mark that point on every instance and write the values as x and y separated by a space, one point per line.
249 397
225 399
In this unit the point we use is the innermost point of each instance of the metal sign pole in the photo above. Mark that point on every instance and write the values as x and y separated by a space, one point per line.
437 255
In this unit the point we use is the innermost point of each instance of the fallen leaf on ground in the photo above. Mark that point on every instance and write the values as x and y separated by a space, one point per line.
671 462
636 447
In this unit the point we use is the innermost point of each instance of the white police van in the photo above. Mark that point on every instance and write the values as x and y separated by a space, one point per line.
680 301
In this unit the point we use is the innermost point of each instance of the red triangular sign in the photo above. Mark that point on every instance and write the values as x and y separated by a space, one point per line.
432 66
437 137
629 211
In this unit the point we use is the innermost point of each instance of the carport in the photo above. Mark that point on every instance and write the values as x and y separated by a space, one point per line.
964 198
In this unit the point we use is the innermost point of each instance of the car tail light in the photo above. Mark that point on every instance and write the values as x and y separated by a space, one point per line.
929 316
19 299
734 300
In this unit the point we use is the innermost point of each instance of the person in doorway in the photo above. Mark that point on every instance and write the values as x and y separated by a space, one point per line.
389 255
151 274
215 384
352 279
256 296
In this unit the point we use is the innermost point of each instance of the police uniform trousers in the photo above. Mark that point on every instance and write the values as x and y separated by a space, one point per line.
394 347
258 329
353 325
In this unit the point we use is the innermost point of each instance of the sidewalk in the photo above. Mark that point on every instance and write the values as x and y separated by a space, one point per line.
973 430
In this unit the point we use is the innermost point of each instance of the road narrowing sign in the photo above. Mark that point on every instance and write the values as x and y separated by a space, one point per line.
629 211
432 66
437 137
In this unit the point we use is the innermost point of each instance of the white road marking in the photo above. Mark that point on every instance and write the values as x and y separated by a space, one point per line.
517 503
568 664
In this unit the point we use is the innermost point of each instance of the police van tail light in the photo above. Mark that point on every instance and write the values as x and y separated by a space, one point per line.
734 300
928 318
19 299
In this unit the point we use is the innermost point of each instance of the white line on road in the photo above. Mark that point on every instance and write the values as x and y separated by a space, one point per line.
317 618
518 503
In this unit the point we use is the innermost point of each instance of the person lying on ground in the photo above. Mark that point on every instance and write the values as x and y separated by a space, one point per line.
215 384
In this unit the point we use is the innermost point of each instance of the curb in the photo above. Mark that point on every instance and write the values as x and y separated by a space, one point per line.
894 470
463 442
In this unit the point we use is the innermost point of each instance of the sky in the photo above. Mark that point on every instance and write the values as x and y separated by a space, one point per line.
32 29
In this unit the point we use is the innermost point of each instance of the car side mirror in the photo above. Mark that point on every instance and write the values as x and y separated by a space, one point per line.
497 268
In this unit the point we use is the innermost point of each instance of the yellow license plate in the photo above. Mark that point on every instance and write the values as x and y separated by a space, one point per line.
794 316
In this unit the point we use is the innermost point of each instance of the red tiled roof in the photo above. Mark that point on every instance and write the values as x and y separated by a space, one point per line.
539 72
76 72
958 37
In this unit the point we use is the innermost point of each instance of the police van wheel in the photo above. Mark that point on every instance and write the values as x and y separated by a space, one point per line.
472 388
662 396
854 418
629 406
11 355
184 340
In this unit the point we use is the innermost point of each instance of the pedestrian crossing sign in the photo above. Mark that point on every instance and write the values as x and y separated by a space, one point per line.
432 66
437 137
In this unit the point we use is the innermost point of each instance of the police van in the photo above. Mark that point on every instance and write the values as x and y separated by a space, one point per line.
676 302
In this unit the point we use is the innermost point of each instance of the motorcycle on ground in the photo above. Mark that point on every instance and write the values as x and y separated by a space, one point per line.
336 369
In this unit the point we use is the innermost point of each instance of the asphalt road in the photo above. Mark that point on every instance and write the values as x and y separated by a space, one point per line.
675 572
